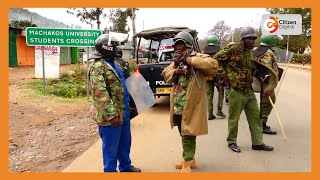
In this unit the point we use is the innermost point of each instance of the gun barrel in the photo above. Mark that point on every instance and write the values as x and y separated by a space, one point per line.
195 77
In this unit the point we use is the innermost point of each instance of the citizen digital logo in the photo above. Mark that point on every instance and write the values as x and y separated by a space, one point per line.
161 83
108 48
281 24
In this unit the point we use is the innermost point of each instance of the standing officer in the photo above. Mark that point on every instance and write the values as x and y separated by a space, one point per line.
216 81
188 107
236 61
265 56
111 106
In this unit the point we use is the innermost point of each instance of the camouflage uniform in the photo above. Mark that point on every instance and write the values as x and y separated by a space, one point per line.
111 99
269 59
237 64
106 107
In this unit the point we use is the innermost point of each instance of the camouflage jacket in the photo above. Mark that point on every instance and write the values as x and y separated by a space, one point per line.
236 63
107 93
269 59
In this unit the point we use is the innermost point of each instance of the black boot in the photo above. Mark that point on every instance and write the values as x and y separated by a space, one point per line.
221 114
133 169
262 147
211 117
267 130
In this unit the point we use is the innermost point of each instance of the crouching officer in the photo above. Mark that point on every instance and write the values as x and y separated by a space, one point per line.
268 71
111 106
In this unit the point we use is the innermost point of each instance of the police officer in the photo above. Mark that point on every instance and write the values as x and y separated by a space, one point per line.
216 81
188 107
111 106
226 82
266 56
236 61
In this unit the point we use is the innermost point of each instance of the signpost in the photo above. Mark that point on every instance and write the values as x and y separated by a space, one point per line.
38 36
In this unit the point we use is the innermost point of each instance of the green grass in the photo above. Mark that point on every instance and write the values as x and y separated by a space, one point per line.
70 87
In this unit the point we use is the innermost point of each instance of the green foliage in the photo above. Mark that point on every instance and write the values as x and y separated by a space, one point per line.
301 58
40 21
300 42
118 18
67 90
88 15
132 65
21 24
69 85
79 73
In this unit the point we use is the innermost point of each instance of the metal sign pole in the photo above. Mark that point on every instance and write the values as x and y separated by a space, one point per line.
87 62
43 72
287 67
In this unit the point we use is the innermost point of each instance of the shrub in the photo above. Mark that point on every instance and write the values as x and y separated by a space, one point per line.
301 58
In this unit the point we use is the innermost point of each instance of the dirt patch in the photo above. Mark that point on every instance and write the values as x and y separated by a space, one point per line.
45 133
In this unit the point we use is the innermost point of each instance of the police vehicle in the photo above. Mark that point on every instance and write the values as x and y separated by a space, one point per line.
160 53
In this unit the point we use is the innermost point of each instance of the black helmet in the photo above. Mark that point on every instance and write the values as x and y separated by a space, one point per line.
107 46
248 32
185 37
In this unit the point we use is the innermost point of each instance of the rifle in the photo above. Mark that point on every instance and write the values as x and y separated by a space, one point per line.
197 48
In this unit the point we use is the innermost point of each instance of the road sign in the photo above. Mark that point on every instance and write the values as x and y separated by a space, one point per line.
37 36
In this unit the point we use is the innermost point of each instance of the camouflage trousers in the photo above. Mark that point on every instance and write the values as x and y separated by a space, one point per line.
188 142
247 102
266 106
210 95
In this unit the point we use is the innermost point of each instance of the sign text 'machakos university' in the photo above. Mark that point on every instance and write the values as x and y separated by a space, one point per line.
36 36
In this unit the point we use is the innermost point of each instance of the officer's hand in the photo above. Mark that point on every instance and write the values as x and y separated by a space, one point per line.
188 60
115 122
180 70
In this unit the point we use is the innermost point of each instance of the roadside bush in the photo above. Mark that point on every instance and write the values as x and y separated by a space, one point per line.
72 84
132 65
301 58
68 90
79 72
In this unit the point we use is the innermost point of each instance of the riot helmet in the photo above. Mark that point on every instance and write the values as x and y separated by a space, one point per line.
106 45
248 32
270 40
212 40
185 37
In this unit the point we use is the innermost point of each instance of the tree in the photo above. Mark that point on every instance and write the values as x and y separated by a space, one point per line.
88 15
132 14
297 43
118 18
21 24
222 31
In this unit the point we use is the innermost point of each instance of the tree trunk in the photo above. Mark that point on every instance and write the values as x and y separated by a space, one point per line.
133 18
98 18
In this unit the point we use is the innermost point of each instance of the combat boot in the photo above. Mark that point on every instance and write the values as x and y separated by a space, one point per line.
221 114
186 166
193 164
267 130
211 117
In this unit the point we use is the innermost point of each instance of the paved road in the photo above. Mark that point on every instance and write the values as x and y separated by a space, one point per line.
156 147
